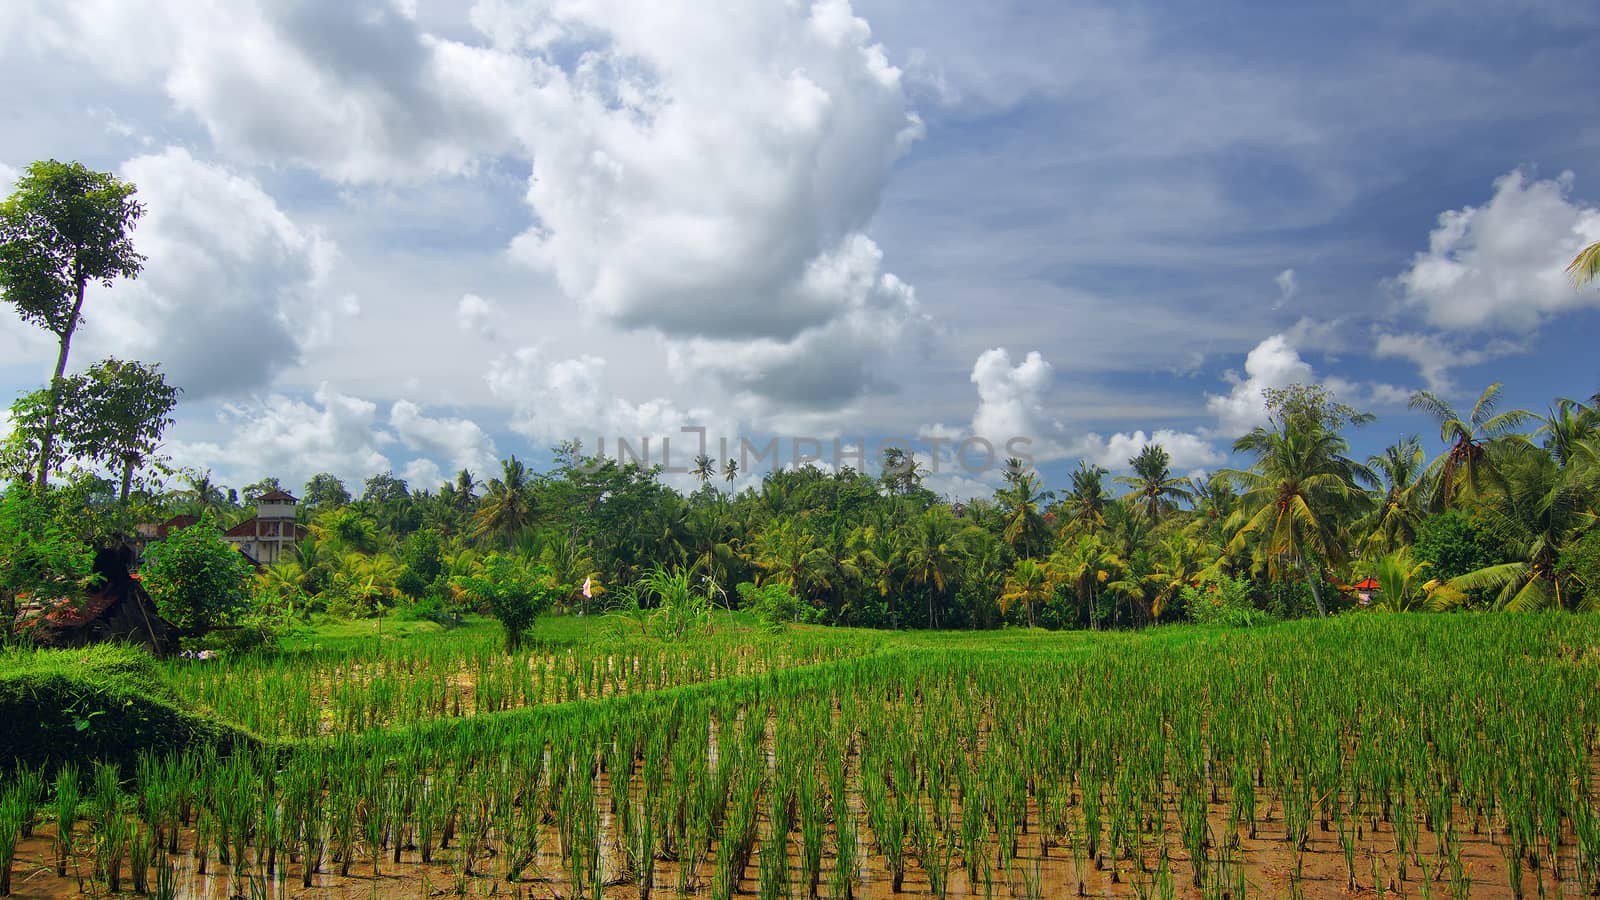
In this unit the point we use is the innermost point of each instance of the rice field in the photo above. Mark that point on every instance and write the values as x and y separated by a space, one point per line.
1406 756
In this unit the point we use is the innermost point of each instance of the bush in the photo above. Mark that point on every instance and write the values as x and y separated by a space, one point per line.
197 579
1225 601
775 605
515 593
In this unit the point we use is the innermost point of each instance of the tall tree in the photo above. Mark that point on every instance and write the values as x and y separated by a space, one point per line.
1465 460
508 507
705 468
253 492
1030 583
1294 495
1086 504
1024 529
1392 525
63 227
1152 485
325 491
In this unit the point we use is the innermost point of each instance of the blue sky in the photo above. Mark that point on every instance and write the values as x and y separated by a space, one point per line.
404 234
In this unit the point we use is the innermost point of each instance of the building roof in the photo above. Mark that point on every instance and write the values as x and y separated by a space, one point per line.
247 528
277 495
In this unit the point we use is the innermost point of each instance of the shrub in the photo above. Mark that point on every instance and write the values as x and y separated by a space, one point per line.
1225 601
775 605
514 592
197 579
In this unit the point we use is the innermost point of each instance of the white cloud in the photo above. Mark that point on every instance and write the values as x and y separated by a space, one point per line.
1503 265
1273 363
711 178
423 473
1188 451
1287 286
460 442
233 289
1010 397
8 177
475 315
1435 355
555 400
354 90
293 440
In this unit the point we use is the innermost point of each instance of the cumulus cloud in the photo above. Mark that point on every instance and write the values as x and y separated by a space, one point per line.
475 315
233 289
711 178
1189 451
353 89
1273 363
565 399
460 442
1010 397
1502 265
294 439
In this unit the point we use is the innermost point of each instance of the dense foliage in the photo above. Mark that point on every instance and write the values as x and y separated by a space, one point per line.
198 580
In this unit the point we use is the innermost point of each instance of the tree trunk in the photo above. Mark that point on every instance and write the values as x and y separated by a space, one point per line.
47 443
127 479
1316 589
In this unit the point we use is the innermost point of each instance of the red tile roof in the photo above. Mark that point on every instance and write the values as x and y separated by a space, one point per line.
277 495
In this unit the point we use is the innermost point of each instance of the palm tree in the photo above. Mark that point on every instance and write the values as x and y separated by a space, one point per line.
1539 510
1569 432
1586 265
1030 583
730 471
1467 437
203 491
507 508
933 555
1024 526
1293 496
1393 523
1152 484
1086 564
1400 581
1086 504
704 469
789 554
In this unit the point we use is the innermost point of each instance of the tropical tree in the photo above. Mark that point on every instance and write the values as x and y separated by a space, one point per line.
1540 508
197 579
515 593
705 468
932 555
1401 473
1294 495
789 555
507 508
1030 583
1401 581
1024 528
325 490
730 471
1465 462
1086 503
63 227
1586 265
1086 564
1153 488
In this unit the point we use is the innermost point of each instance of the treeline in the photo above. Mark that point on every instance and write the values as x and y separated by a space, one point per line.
1501 515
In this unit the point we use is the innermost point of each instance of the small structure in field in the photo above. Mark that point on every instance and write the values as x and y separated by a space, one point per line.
115 609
